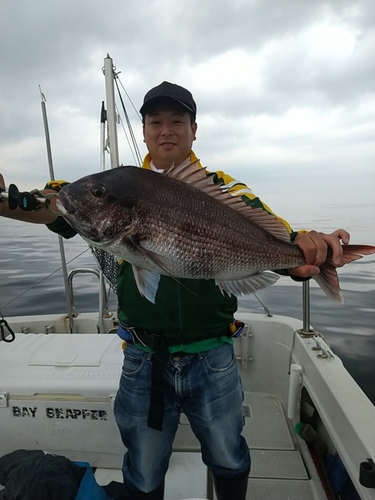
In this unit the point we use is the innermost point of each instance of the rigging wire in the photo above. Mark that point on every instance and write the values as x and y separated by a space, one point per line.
131 102
133 138
136 160
41 281
265 308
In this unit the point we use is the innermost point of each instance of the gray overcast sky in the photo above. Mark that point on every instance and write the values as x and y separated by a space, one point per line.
284 88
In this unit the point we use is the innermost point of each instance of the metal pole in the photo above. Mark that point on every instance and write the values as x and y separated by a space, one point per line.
102 289
61 243
111 113
306 306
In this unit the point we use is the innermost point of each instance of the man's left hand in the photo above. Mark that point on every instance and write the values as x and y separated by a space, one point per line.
314 246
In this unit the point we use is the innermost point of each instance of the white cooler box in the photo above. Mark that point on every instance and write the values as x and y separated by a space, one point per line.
57 393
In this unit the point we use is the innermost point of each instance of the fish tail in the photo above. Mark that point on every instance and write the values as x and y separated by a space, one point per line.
328 278
355 252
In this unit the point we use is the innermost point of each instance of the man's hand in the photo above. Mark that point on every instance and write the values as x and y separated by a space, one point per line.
38 217
314 246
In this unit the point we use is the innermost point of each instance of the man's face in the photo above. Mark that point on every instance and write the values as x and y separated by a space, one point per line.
168 135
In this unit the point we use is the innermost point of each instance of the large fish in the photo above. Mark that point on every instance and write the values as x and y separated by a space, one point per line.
181 224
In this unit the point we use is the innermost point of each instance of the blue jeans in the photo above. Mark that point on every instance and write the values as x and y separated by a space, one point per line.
207 388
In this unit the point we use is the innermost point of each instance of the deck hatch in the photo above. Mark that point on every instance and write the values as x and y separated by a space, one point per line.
267 427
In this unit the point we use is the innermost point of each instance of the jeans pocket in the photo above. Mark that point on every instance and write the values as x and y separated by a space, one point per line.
220 359
133 361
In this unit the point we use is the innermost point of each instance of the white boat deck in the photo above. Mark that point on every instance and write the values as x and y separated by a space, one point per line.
278 470
51 385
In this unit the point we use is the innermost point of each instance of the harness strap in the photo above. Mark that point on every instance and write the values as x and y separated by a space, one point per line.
159 362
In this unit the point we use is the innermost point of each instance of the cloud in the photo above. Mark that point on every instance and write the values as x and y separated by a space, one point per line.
284 89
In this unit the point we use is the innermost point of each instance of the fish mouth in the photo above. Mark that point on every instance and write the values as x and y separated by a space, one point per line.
64 205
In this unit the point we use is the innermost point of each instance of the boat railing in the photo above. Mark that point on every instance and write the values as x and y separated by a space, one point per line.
103 296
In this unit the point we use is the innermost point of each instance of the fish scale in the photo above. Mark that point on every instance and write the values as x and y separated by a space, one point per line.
195 254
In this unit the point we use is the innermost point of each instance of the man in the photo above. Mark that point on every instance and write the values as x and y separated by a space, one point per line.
179 352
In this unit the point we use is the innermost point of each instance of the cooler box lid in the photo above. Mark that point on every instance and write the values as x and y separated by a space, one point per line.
81 364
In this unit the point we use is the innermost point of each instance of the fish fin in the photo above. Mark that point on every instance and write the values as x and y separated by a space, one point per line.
355 252
159 261
154 257
247 285
328 279
147 282
202 180
264 220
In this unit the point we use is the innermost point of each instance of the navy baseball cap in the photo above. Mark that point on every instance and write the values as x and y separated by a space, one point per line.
171 91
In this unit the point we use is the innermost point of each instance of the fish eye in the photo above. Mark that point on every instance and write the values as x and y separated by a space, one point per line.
98 191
